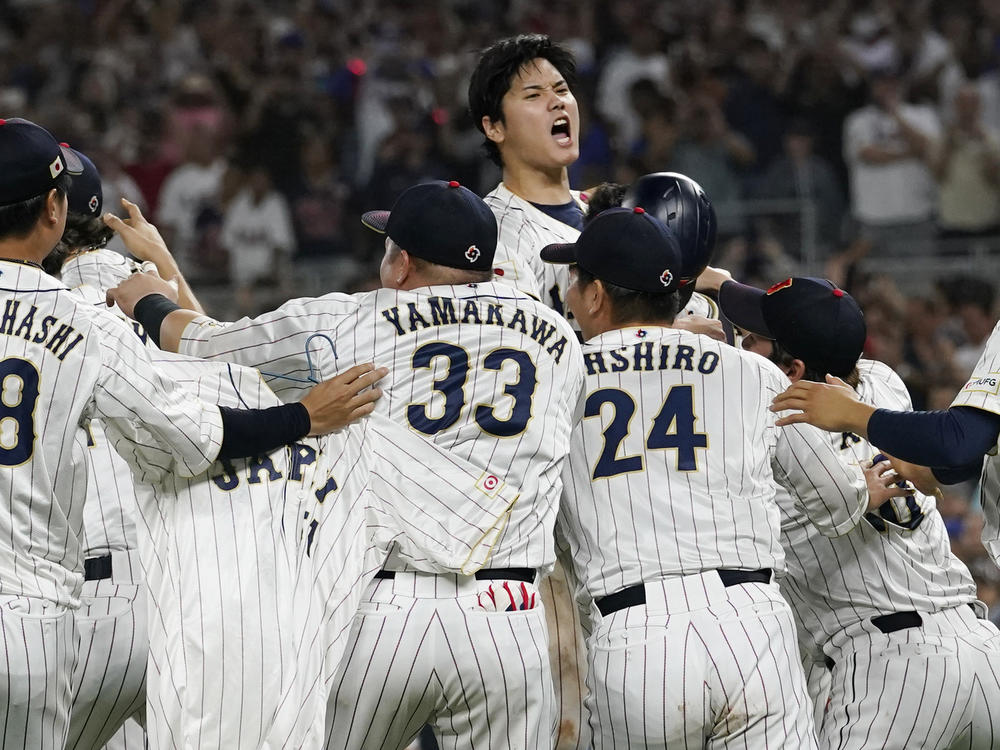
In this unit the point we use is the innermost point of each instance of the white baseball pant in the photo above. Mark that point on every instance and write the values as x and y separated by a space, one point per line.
699 665
935 685
36 667
423 650
109 682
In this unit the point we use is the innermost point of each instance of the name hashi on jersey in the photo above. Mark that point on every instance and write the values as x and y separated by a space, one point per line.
438 311
17 322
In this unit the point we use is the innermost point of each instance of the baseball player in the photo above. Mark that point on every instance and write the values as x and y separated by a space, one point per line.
62 362
521 99
952 441
264 557
483 371
900 608
669 509
109 679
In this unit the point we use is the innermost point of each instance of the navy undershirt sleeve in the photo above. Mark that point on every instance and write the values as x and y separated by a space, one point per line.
955 437
254 432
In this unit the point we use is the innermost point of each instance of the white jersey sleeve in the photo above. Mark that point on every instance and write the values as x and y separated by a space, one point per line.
832 494
982 391
702 305
283 344
154 424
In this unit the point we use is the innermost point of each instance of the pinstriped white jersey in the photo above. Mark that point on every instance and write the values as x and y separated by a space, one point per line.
62 362
256 567
879 566
983 392
483 370
522 231
673 462
108 514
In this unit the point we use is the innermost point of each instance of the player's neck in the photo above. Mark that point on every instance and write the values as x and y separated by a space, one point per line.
548 187
31 249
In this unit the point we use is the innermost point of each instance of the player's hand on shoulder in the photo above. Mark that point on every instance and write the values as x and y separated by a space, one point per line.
137 286
832 406
345 398
711 279
141 238
702 325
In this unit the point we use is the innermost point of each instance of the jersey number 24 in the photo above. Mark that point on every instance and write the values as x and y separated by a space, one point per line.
673 427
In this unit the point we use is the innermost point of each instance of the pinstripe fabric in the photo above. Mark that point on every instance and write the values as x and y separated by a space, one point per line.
699 666
522 231
422 651
632 513
932 687
36 662
832 583
109 684
389 327
983 392
131 736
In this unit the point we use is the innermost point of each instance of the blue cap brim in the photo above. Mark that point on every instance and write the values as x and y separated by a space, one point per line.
559 253
741 304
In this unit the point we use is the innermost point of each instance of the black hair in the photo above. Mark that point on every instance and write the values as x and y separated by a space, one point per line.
497 67
783 358
82 232
604 196
628 305
18 219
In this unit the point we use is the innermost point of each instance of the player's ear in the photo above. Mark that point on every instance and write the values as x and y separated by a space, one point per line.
494 129
796 370
53 203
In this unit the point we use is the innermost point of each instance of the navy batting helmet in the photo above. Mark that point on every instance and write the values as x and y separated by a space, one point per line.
681 204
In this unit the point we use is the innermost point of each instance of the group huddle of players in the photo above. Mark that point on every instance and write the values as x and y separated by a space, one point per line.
332 524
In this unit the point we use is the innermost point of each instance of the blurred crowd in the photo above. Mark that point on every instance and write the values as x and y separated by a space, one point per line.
826 132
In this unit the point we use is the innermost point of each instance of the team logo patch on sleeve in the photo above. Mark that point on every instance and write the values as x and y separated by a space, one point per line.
986 384
472 253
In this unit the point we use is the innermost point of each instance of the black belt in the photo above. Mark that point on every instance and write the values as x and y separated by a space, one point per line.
490 574
635 595
97 568
897 621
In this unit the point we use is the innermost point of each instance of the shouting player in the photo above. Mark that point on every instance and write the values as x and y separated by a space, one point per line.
669 509
489 374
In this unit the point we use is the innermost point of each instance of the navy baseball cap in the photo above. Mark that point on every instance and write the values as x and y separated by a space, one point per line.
85 194
811 319
442 222
30 160
627 247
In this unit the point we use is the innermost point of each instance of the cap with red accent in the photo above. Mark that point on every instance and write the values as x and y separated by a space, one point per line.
30 160
442 222
626 247
812 319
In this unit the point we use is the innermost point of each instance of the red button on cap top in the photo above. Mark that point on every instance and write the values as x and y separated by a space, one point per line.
64 144
638 210
453 183
838 293
2 121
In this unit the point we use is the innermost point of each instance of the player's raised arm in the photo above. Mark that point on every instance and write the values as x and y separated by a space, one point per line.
144 241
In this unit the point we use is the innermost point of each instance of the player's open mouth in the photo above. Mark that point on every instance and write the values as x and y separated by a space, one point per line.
560 131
